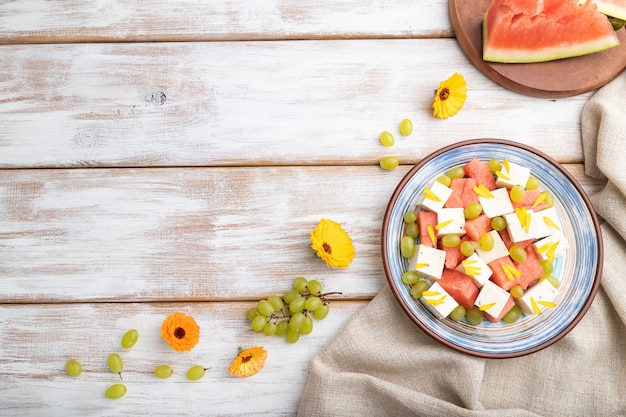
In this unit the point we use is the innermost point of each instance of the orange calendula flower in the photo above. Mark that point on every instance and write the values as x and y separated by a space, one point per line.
450 96
332 244
181 332
248 362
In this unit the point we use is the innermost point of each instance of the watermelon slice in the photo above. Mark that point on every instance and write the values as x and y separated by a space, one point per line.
615 8
519 31
476 227
460 286
481 173
425 219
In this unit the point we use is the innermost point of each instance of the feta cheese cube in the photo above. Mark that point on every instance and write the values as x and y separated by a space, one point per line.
450 221
499 249
551 247
537 298
492 299
546 222
428 261
476 268
512 174
435 197
517 231
498 205
438 301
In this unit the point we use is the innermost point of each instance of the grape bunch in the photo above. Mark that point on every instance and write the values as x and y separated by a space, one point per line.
292 314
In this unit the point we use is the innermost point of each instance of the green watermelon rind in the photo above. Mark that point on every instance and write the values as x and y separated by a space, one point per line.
609 9
508 56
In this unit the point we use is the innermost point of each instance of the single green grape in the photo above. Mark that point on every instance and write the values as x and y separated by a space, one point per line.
115 362
410 277
517 194
282 327
406 127
546 266
498 223
196 372
265 308
445 180
518 253
290 296
269 329
513 314
73 367
466 248
300 283
292 336
456 172
322 312
516 291
418 289
474 316
389 163
258 323
410 217
412 230
532 183
130 338
307 326
313 303
549 199
296 321
163 371
276 302
451 241
486 242
407 246
494 165
472 210
115 391
458 313
386 138
252 313
315 287
553 280
297 305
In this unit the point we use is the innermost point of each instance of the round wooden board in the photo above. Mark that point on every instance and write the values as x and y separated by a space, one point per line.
561 78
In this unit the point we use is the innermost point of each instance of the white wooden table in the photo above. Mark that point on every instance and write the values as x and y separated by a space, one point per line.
168 156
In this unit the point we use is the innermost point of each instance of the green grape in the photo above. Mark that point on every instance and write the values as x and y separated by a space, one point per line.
518 253
516 291
296 321
418 289
451 241
115 391
290 296
270 328
412 230
410 217
466 248
252 313
300 283
196 372
265 308
322 312
458 313
445 180
546 266
406 127
498 224
115 362
513 315
407 246
130 338
410 277
517 194
456 172
276 302
163 371
307 326
474 316
494 165
549 199
313 303
315 287
258 323
472 210
292 336
282 328
486 242
532 183
73 367
389 163
553 280
297 305
386 138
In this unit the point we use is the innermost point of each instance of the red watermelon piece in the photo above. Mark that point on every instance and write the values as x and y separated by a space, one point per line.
453 255
425 219
531 269
615 8
544 30
476 227
460 286
469 195
481 173
506 238
457 185
508 306
499 277
529 199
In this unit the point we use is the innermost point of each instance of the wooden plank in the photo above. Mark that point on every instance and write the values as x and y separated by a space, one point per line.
255 103
38 340
189 233
72 21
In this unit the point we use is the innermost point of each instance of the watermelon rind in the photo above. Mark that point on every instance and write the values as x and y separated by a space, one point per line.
610 7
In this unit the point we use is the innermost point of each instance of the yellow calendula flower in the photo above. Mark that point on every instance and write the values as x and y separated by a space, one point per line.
450 96
181 332
248 362
332 244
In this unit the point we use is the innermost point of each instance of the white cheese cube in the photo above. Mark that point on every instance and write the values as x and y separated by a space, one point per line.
499 205
492 299
517 232
435 197
546 222
515 175
499 249
450 221
428 261
476 268
438 301
551 247
537 298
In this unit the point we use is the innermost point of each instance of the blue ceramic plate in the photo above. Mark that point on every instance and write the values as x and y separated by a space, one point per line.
578 270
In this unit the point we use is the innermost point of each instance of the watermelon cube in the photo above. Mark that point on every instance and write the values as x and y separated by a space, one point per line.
474 228
469 195
460 286
453 254
481 173
456 198
425 219
531 268
500 277
529 199
508 242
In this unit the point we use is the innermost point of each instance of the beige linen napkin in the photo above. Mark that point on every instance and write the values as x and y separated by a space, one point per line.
381 364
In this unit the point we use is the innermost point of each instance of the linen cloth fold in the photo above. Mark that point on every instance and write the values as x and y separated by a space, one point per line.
382 364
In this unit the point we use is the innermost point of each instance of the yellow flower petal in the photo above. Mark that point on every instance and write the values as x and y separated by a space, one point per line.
248 362
450 96
332 244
